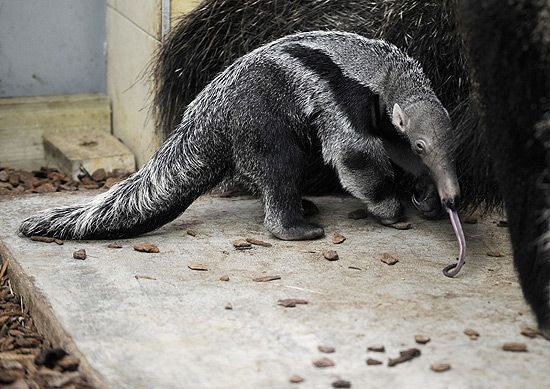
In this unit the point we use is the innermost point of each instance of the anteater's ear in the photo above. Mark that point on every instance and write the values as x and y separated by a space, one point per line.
400 118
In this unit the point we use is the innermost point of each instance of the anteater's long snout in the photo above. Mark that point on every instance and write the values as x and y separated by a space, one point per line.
451 203
447 185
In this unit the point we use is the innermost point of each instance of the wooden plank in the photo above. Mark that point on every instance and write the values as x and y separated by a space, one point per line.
24 121
88 149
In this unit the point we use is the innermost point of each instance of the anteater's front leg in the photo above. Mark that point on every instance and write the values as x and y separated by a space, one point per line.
368 175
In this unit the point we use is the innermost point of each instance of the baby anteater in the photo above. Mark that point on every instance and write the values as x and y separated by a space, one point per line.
360 103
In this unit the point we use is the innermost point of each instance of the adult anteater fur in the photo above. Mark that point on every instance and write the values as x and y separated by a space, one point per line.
217 32
358 102
509 54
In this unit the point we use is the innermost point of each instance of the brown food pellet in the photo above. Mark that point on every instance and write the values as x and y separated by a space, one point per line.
470 220
228 306
494 254
502 223
323 362
513 346
422 339
377 348
146 248
58 241
358 214
331 255
401 226
79 254
530 332
258 242
341 384
338 238
473 334
241 244
191 233
404 356
224 278
45 239
197 266
372 361
114 246
440 367
290 303
325 349
296 379
266 278
389 259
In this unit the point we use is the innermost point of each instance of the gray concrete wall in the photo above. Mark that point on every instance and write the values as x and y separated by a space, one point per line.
52 47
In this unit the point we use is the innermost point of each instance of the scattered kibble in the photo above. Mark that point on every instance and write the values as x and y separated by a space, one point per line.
146 248
79 254
44 239
494 254
341 384
242 244
325 349
389 259
197 266
191 233
473 334
338 238
404 356
470 220
114 246
377 348
401 226
331 255
258 242
530 332
372 362
422 339
228 306
296 379
323 362
513 346
224 278
440 367
290 303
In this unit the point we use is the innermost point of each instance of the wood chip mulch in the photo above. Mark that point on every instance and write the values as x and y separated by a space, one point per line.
27 359
48 180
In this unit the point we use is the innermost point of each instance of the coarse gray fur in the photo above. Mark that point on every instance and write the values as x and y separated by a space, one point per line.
362 103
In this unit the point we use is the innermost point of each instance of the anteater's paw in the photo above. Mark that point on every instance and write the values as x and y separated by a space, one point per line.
430 207
302 231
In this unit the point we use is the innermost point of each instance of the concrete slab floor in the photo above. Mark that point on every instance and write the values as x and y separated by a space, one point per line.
173 331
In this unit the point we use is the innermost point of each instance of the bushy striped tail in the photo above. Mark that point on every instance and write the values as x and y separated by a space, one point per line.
187 165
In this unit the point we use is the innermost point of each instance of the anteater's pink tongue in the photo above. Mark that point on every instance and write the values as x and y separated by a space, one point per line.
461 242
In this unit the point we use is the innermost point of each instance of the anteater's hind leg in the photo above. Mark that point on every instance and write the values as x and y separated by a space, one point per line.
278 175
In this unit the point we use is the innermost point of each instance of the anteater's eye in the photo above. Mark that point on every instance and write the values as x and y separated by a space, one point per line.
420 146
